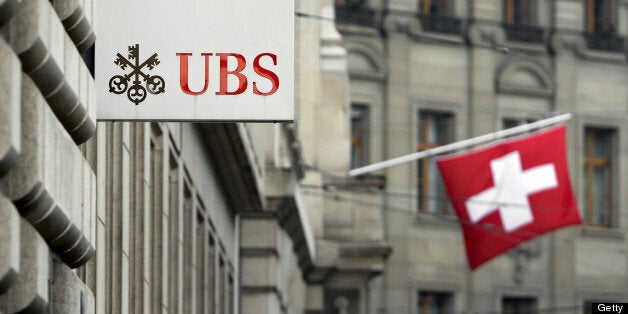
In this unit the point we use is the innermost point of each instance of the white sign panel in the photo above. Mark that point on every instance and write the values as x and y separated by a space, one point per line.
203 60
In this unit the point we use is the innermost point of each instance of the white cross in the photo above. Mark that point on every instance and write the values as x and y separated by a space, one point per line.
509 196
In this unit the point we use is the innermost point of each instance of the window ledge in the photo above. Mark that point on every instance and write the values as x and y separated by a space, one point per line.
524 33
445 24
601 232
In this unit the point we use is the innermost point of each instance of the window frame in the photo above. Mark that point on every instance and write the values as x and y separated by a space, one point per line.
510 12
519 300
589 163
424 308
423 184
610 17
360 143
448 7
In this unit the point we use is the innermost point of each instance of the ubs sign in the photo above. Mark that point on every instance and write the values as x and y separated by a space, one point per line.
195 60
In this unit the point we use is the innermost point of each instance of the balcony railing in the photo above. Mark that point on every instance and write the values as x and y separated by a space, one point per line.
605 41
524 33
355 15
440 23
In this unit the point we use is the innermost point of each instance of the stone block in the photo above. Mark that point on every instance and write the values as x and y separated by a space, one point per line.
259 271
10 82
8 8
39 182
265 302
70 294
39 41
29 293
314 298
75 22
9 243
259 233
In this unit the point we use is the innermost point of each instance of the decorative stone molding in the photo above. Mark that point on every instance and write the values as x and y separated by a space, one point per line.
372 56
333 54
48 157
563 41
291 214
31 40
522 256
231 162
364 249
505 83
75 22
401 22
486 34
294 145
10 75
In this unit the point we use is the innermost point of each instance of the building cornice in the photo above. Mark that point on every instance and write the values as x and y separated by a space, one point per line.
228 152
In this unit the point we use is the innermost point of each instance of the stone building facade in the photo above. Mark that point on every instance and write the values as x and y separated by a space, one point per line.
149 217
427 72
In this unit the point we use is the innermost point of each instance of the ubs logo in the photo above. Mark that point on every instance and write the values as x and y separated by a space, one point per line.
142 82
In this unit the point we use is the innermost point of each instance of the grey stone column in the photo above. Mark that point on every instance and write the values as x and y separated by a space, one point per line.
314 299
563 279
260 292
400 178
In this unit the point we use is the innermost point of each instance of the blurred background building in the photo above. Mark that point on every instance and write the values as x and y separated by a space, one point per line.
429 72
138 217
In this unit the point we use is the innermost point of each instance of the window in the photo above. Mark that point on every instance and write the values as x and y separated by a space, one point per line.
438 16
435 129
513 122
435 302
519 11
210 287
359 135
222 286
201 263
351 3
437 7
345 301
518 305
601 16
597 176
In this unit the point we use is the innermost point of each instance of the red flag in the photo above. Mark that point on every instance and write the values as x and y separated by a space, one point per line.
510 192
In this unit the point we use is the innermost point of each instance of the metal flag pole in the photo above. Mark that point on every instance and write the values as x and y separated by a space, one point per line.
460 144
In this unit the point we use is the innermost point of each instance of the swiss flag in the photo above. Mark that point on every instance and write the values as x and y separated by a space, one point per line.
510 192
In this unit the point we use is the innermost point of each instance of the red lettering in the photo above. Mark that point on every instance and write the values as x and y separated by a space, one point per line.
270 75
183 73
224 73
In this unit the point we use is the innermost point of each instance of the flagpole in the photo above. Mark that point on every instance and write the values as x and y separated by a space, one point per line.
460 144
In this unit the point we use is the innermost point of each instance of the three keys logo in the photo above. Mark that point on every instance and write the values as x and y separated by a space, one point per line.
142 82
